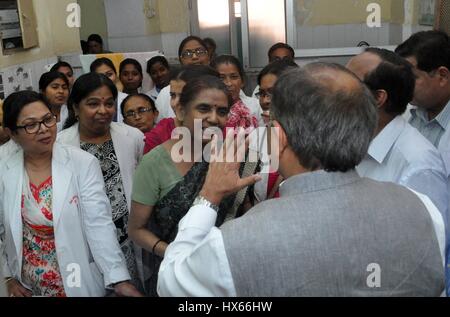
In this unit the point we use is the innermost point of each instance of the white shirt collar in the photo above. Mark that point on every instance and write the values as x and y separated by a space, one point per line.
385 140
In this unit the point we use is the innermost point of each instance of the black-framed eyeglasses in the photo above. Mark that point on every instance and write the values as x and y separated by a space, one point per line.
140 111
188 54
33 128
262 94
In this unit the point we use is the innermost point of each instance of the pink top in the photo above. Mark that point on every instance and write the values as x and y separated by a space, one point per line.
161 133
241 117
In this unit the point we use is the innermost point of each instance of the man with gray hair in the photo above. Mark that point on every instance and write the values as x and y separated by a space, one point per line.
331 233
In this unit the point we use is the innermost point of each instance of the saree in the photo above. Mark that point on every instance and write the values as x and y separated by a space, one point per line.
170 209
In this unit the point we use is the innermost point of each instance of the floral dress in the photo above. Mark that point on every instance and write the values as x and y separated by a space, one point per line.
40 269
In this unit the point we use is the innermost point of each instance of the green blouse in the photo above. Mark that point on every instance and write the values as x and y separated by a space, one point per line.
155 177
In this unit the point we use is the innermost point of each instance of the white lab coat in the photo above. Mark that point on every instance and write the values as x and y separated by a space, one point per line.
88 253
128 145
8 149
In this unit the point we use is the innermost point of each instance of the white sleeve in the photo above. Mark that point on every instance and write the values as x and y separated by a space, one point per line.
4 268
438 222
163 104
195 264
98 226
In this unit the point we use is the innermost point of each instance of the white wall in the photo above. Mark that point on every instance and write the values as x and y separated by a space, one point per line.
127 27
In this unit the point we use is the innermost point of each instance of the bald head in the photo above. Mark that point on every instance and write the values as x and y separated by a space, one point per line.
333 77
388 75
363 64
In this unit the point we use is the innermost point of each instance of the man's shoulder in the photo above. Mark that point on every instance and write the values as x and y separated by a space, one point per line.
363 194
417 150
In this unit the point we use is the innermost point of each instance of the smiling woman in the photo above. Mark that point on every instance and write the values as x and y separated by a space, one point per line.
46 173
165 187
118 148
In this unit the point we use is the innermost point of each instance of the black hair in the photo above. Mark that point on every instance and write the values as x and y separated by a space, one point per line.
59 65
84 47
189 72
143 96
83 87
95 38
130 61
209 41
276 68
47 78
195 86
102 61
188 39
278 46
327 128
229 59
394 75
430 48
14 104
157 59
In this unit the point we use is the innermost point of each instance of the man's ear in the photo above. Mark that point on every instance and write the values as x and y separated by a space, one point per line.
282 137
444 75
381 96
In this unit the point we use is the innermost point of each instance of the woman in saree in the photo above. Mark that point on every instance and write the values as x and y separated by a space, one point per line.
164 188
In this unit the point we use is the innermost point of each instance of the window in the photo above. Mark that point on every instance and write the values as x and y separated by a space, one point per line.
323 24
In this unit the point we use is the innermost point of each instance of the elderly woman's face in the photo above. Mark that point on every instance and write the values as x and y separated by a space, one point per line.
96 112
140 114
36 132
210 107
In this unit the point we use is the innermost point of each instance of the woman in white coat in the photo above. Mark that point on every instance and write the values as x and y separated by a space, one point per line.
56 232
118 148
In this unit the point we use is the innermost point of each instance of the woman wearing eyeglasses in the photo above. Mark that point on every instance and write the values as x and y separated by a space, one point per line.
57 238
139 111
192 51
117 146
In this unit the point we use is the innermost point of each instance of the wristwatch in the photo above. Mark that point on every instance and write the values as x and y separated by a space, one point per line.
202 201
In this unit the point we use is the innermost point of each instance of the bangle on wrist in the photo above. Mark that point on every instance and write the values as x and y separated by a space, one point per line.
8 279
117 283
155 245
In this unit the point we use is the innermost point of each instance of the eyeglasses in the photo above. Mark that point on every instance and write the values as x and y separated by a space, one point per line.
188 54
262 94
140 111
33 128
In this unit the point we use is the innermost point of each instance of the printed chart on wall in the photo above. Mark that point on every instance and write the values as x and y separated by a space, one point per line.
16 79
117 58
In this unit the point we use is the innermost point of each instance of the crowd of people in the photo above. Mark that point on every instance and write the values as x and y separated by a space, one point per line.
95 200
